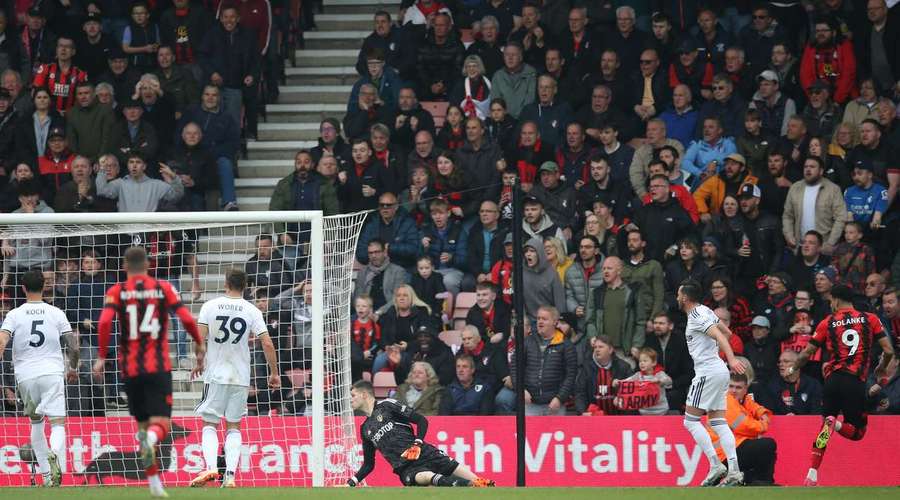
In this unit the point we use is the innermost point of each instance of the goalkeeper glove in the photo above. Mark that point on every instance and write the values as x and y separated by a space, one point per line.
352 482
413 452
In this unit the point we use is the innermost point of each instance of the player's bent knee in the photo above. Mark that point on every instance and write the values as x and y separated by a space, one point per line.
424 478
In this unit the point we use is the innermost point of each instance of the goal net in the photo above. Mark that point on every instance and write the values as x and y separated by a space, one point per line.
300 271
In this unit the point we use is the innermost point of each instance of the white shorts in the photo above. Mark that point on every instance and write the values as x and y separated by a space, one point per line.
44 396
223 400
708 392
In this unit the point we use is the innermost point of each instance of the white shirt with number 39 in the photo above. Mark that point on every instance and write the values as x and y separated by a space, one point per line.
231 322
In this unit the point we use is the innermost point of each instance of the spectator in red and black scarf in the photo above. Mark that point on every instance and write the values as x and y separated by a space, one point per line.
452 135
529 154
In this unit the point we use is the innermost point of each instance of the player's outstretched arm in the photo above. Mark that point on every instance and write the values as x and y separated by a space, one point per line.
721 333
368 464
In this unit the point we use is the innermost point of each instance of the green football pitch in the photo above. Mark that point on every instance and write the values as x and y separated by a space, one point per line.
455 493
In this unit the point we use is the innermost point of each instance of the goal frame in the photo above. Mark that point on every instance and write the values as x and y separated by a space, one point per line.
316 219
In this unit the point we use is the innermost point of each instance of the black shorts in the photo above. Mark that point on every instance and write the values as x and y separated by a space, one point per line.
430 460
845 394
149 395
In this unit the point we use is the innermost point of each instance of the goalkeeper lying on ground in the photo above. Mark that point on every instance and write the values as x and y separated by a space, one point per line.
388 428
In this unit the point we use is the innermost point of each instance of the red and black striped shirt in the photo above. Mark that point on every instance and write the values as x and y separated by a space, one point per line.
61 85
848 335
142 305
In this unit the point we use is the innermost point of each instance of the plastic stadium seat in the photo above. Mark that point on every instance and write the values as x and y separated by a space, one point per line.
384 384
438 110
464 302
451 337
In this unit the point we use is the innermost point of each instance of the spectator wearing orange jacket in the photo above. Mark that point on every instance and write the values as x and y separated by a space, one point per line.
749 421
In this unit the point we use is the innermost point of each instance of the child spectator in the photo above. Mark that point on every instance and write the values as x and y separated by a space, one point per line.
853 259
366 337
650 371
429 285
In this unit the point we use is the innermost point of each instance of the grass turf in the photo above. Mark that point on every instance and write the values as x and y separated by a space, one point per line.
454 493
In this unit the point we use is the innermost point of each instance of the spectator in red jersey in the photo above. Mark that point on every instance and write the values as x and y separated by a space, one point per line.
61 77
829 56
183 27
55 166
853 259
144 353
594 394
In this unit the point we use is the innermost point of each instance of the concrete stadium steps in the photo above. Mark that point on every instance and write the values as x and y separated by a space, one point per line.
277 150
301 113
361 6
326 57
303 131
331 22
342 39
265 168
314 94
326 75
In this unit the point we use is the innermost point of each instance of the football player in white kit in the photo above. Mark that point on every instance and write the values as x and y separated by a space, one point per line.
37 330
705 338
227 373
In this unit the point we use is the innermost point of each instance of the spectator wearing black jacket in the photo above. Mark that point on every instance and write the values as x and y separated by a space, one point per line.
490 315
399 323
594 392
80 194
330 142
760 252
488 48
491 361
411 119
672 355
196 166
92 47
366 112
439 60
647 105
176 81
183 27
120 75
662 221
359 185
230 59
550 365
627 40
28 146
579 46
427 347
398 49
615 195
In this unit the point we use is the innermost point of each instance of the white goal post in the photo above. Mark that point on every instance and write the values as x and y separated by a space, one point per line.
326 247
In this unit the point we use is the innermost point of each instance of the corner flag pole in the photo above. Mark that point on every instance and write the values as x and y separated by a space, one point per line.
519 332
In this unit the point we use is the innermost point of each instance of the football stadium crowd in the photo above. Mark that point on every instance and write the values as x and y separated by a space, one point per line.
752 147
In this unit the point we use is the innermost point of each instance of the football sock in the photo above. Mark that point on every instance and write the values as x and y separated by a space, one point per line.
155 482
442 480
210 443
849 431
693 425
726 439
155 434
39 445
232 449
58 440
